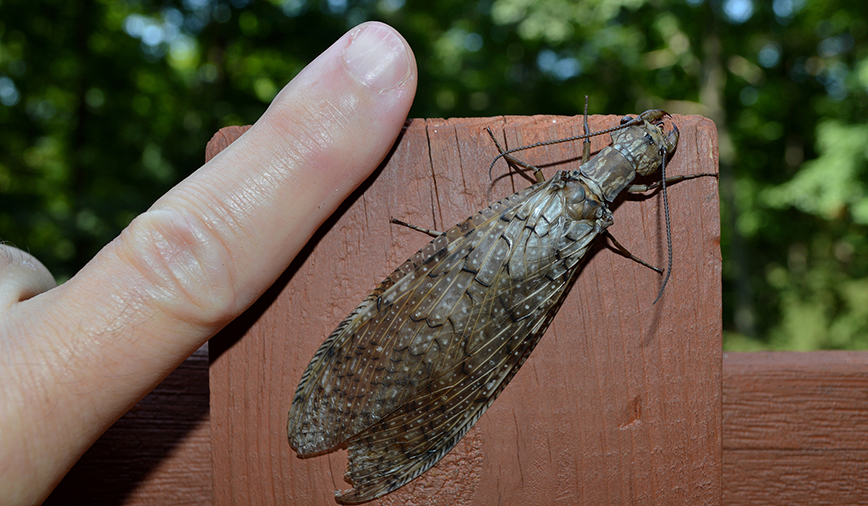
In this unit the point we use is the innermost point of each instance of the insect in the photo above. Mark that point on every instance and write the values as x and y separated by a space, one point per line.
407 374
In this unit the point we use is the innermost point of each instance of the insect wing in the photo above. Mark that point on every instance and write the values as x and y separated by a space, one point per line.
417 363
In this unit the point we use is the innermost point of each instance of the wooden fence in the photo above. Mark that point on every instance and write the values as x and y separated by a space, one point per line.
623 402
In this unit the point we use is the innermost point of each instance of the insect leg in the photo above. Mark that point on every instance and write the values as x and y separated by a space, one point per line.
537 172
432 233
625 252
638 188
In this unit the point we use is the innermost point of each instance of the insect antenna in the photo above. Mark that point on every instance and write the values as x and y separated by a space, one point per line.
668 226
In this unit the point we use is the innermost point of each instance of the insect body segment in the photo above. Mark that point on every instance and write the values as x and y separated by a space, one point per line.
404 377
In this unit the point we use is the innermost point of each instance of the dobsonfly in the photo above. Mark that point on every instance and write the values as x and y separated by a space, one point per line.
407 374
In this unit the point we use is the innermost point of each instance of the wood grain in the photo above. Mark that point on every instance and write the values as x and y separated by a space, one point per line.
620 403
795 428
158 453
794 433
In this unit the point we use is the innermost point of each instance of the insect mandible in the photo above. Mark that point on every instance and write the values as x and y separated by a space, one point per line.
407 374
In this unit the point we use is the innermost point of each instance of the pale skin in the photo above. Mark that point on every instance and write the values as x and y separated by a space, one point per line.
76 357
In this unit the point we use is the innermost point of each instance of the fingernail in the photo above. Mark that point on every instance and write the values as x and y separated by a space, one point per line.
377 56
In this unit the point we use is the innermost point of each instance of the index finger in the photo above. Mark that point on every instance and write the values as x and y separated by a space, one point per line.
82 354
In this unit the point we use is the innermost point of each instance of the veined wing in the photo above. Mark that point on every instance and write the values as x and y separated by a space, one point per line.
414 437
418 362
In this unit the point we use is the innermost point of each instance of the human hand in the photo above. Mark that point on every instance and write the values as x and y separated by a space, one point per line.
74 358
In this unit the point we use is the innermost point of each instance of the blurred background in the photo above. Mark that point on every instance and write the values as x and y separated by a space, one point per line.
104 105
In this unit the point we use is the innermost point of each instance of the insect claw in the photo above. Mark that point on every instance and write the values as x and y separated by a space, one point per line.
672 139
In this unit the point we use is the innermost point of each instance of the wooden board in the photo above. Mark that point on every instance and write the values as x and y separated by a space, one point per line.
787 441
158 453
620 402
795 428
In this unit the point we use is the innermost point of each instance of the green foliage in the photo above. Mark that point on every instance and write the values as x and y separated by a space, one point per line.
829 185
104 105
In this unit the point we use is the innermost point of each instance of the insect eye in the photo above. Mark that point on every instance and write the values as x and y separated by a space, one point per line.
626 119
649 139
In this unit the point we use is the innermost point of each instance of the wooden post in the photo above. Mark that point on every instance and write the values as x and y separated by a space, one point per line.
620 402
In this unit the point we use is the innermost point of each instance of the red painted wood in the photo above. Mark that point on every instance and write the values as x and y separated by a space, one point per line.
620 403
795 428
